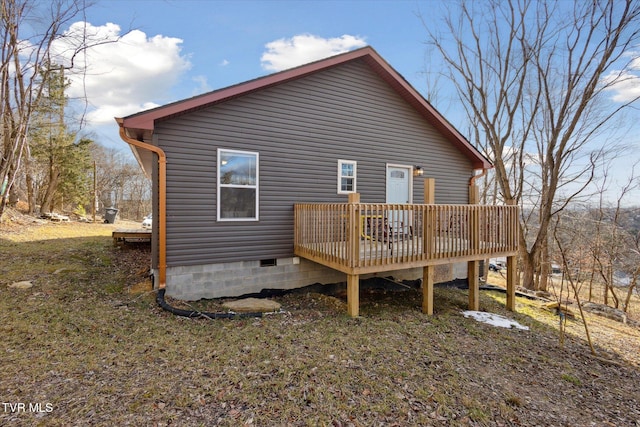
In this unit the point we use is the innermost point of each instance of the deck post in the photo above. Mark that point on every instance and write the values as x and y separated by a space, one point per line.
427 290
353 280
353 295
512 272
354 230
474 285
473 269
428 223
354 197
427 271
512 262
429 191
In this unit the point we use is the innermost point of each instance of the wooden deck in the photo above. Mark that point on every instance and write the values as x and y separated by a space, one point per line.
123 236
361 238
407 252
368 238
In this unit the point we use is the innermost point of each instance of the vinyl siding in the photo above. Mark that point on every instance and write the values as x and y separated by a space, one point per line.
300 128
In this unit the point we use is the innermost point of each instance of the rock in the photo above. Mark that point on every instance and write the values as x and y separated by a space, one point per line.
543 294
608 312
251 305
21 285
555 307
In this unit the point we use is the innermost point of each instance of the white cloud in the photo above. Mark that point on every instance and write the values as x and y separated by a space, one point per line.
301 49
106 113
121 74
203 85
224 63
625 86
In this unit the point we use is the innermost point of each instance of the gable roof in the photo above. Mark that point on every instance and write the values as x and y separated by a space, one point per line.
141 125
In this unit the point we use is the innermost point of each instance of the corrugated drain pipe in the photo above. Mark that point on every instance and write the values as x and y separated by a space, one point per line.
162 236
195 314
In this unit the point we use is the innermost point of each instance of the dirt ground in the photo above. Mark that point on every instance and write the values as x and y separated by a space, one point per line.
88 345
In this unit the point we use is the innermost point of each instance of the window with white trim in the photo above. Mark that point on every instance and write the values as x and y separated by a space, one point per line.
237 185
347 172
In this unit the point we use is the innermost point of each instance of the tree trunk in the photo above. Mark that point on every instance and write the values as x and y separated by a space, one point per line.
29 182
6 186
13 143
544 277
31 197
627 300
528 270
48 199
591 277
605 296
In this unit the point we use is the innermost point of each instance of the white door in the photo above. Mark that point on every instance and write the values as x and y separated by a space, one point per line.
399 191
398 184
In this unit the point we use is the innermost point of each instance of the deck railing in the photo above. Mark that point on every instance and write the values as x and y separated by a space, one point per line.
366 237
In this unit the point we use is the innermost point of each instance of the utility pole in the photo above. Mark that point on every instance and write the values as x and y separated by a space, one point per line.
95 198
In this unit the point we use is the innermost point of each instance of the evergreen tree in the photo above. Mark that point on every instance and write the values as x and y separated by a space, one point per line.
57 165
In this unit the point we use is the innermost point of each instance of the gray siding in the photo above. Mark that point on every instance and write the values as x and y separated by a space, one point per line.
301 129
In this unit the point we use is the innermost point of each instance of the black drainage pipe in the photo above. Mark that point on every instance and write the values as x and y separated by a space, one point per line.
195 314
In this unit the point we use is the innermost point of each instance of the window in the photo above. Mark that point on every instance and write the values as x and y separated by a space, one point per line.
346 176
237 185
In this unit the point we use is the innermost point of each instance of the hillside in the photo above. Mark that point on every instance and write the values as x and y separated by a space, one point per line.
86 344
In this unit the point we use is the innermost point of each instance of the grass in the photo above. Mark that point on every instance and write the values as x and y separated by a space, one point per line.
88 340
561 290
571 379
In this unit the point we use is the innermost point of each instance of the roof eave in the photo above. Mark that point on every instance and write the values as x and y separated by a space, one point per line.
145 120
142 124
413 97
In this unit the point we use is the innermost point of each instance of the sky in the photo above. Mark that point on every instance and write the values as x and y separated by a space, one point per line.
168 50
174 49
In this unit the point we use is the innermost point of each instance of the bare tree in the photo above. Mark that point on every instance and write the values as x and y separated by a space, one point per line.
632 268
569 276
533 75
121 183
29 31
601 243
614 244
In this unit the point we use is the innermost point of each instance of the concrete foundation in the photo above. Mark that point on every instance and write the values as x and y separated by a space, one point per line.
194 282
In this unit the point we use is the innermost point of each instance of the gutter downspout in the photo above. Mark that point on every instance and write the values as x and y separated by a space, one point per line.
472 186
472 181
474 196
162 200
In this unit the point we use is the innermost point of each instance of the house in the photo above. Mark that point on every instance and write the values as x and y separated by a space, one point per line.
247 179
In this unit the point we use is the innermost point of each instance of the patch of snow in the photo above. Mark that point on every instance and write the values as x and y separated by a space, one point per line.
494 319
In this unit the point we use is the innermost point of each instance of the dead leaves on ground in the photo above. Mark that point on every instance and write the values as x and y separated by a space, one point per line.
91 341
